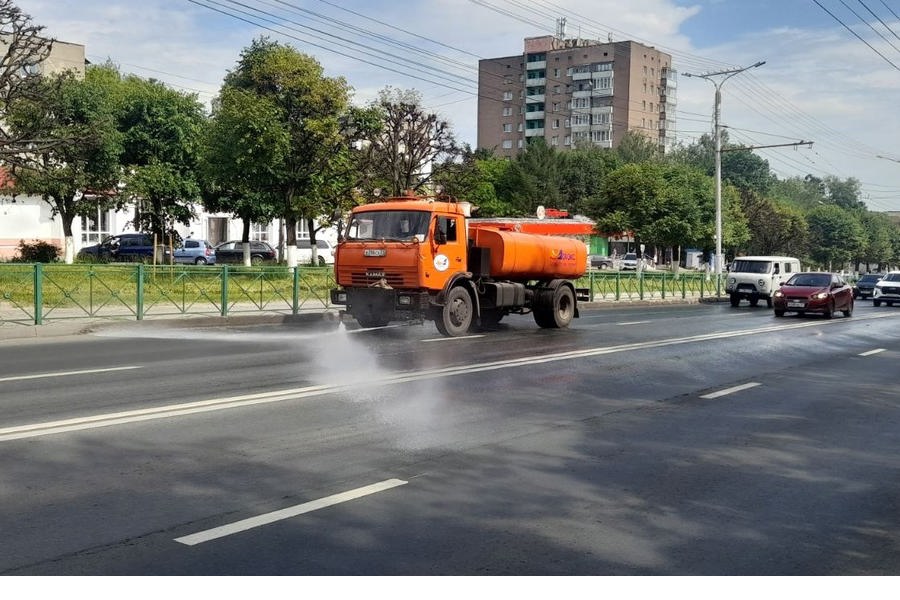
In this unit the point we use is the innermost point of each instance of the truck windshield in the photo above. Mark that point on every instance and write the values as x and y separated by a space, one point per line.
400 225
750 266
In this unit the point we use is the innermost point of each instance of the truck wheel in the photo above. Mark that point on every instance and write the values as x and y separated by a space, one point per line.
754 301
735 299
555 308
456 317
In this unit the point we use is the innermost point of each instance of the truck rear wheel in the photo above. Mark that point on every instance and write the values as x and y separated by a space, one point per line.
555 308
455 318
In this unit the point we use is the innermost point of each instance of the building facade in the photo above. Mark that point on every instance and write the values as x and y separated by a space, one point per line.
572 92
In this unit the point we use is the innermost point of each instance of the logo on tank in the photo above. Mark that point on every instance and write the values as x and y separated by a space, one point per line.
557 254
441 262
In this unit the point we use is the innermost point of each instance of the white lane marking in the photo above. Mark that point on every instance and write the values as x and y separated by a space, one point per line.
66 373
175 410
450 339
730 390
633 322
286 513
871 352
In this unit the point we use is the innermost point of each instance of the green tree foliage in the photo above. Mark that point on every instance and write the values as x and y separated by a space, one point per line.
836 236
310 108
582 172
746 171
161 131
71 176
637 148
879 245
242 146
775 228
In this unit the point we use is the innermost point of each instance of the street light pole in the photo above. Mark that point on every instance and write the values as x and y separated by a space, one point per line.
718 135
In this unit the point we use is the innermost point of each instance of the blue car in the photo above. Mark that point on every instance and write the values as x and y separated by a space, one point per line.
195 252
126 247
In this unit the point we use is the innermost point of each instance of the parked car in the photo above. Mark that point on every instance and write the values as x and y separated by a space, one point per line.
629 262
596 261
887 290
865 285
195 252
822 293
232 251
126 247
324 252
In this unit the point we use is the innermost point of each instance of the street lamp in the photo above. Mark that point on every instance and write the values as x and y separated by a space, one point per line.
718 85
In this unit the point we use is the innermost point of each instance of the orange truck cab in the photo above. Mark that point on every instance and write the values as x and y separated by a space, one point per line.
411 258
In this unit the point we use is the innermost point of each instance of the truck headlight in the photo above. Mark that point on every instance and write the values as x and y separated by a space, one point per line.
404 300
342 297
762 284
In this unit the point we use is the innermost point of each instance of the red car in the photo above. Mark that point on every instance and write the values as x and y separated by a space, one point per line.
821 293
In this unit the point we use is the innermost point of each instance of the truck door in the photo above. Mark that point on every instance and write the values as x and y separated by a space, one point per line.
448 249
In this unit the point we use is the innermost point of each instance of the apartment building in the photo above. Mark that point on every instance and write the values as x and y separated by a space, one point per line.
575 91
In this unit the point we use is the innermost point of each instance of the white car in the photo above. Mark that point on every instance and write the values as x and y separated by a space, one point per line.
887 290
324 250
629 262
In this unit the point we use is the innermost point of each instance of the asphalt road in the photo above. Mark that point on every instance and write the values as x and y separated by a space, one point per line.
676 440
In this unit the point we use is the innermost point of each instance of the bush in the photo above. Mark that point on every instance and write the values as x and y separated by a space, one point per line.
37 251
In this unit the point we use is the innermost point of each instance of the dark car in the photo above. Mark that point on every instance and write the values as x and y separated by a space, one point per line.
126 247
232 252
597 261
820 293
866 285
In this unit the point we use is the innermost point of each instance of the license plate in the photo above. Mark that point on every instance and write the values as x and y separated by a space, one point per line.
796 304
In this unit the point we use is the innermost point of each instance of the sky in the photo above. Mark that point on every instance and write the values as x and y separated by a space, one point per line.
831 74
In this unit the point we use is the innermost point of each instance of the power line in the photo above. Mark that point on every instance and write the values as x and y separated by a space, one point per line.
857 35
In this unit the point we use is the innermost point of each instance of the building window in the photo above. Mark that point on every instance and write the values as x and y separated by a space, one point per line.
554 141
555 123
507 111
95 228
507 128
259 232
567 141
507 144
509 95
520 144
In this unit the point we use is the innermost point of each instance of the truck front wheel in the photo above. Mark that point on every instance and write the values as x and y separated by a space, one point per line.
555 308
455 318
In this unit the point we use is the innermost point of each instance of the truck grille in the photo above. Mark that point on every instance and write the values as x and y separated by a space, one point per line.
393 278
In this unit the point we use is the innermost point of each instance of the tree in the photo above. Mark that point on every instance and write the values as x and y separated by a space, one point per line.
402 153
836 236
161 141
775 228
23 50
582 172
70 176
879 232
241 145
637 148
309 108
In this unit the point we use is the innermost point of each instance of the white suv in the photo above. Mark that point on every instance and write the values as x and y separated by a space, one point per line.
887 290
324 251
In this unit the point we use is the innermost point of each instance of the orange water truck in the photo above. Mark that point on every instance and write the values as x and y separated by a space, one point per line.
412 259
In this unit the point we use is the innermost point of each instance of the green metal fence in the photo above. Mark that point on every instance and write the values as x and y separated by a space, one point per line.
34 294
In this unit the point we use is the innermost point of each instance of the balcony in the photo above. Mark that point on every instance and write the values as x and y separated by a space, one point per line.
581 76
536 64
533 81
534 114
534 132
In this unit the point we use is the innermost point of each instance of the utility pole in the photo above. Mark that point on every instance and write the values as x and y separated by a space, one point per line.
726 75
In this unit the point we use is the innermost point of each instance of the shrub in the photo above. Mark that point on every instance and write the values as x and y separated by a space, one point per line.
37 251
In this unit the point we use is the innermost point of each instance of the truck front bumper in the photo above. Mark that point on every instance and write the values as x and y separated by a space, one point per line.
383 304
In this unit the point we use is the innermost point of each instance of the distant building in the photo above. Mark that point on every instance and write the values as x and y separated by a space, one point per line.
572 91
